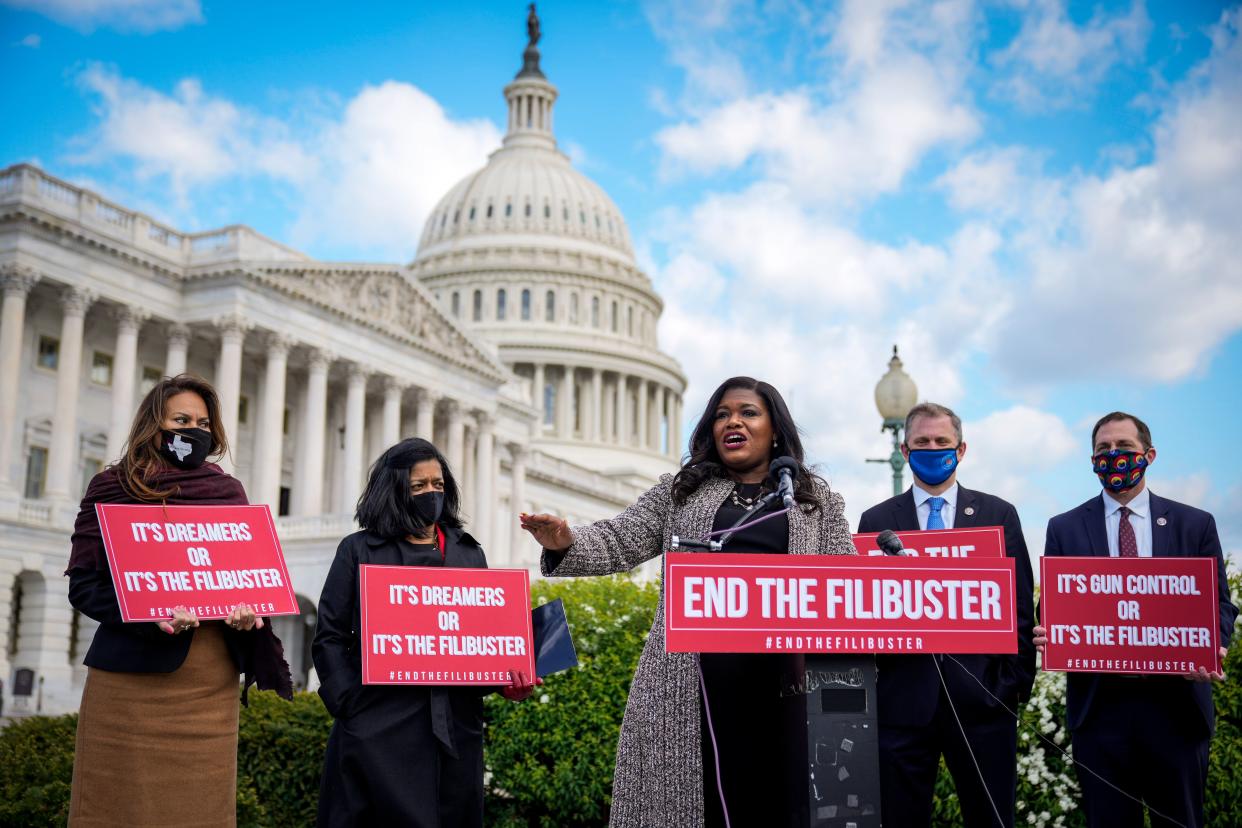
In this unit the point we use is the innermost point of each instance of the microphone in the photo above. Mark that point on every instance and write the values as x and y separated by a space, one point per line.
784 470
889 543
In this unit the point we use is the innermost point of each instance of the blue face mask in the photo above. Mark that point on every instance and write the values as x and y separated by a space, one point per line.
933 466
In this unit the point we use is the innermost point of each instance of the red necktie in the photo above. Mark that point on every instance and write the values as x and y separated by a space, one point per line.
1127 545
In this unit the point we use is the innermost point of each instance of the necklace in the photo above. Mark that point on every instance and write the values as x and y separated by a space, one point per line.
742 501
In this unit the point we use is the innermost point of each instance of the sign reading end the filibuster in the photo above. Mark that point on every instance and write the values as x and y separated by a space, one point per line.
733 603
1130 615
208 559
970 542
432 625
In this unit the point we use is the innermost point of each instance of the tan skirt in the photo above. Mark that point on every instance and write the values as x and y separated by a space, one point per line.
160 748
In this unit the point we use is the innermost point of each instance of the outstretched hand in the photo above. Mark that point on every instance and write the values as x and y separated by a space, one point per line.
520 689
551 532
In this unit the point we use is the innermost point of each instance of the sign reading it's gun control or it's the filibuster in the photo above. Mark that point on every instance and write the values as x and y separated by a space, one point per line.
207 559
1130 615
434 625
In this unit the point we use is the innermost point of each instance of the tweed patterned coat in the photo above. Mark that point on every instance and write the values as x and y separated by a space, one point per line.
659 773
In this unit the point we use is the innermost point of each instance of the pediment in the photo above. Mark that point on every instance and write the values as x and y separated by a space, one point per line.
388 300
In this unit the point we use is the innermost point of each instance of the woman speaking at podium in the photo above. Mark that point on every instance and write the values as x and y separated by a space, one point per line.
670 747
157 729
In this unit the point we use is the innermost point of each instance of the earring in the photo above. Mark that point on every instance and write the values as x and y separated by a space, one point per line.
773 442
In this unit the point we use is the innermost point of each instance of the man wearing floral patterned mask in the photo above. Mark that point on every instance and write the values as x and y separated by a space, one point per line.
956 705
1139 740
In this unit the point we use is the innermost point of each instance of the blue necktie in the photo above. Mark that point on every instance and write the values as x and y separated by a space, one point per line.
934 521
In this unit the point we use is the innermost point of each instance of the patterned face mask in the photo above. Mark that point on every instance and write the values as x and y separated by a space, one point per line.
186 448
1120 470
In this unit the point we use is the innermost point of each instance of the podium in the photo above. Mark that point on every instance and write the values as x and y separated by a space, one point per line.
832 733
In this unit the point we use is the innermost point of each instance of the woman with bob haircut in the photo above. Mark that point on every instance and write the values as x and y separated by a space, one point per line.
157 728
399 755
702 733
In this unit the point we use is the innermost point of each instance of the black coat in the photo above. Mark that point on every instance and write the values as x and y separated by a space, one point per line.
397 755
908 686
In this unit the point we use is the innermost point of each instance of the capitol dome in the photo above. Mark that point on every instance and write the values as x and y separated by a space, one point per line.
536 258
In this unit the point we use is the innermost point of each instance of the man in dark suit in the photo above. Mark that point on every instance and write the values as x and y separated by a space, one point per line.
918 713
1145 735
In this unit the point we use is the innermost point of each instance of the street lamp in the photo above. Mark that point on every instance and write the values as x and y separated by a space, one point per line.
895 395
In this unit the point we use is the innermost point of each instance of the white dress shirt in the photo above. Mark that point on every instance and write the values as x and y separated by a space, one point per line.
1140 521
947 512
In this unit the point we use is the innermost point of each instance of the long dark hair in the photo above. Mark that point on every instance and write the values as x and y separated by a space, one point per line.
140 461
704 461
386 507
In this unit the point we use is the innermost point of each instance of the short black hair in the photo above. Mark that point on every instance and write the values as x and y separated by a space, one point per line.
1144 433
386 507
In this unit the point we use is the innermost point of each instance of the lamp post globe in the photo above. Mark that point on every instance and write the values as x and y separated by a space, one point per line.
895 395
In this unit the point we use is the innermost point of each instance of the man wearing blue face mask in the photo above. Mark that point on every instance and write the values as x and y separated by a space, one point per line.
923 698
1140 740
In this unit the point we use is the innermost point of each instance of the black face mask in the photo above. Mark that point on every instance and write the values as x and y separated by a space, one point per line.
185 448
428 506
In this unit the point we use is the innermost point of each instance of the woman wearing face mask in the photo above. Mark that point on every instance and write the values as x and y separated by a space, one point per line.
399 755
157 728
702 742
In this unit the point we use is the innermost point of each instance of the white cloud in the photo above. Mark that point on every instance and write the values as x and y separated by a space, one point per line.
1142 278
391 157
367 178
862 123
189 137
30 41
142 16
1052 62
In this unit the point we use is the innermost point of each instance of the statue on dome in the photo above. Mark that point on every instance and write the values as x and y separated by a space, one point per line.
530 57
532 26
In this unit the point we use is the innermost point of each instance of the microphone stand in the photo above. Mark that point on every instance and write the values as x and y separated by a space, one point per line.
741 523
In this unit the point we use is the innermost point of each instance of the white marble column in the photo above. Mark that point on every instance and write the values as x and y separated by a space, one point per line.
661 414
485 487
642 415
178 349
228 378
17 283
63 451
308 493
675 448
456 437
596 426
517 500
468 478
355 419
623 405
539 383
124 366
426 423
390 430
271 424
565 404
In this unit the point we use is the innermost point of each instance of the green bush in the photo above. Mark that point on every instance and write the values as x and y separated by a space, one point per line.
550 759
280 750
36 769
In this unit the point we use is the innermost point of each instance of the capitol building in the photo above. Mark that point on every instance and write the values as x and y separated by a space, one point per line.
521 340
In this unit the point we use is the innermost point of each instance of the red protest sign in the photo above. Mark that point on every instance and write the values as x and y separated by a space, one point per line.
838 604
1130 615
208 559
974 542
428 625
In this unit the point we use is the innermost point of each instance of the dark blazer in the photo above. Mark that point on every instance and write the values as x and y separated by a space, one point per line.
336 650
1187 533
909 686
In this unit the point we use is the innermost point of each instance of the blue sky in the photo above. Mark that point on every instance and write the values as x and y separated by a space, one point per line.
1039 202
